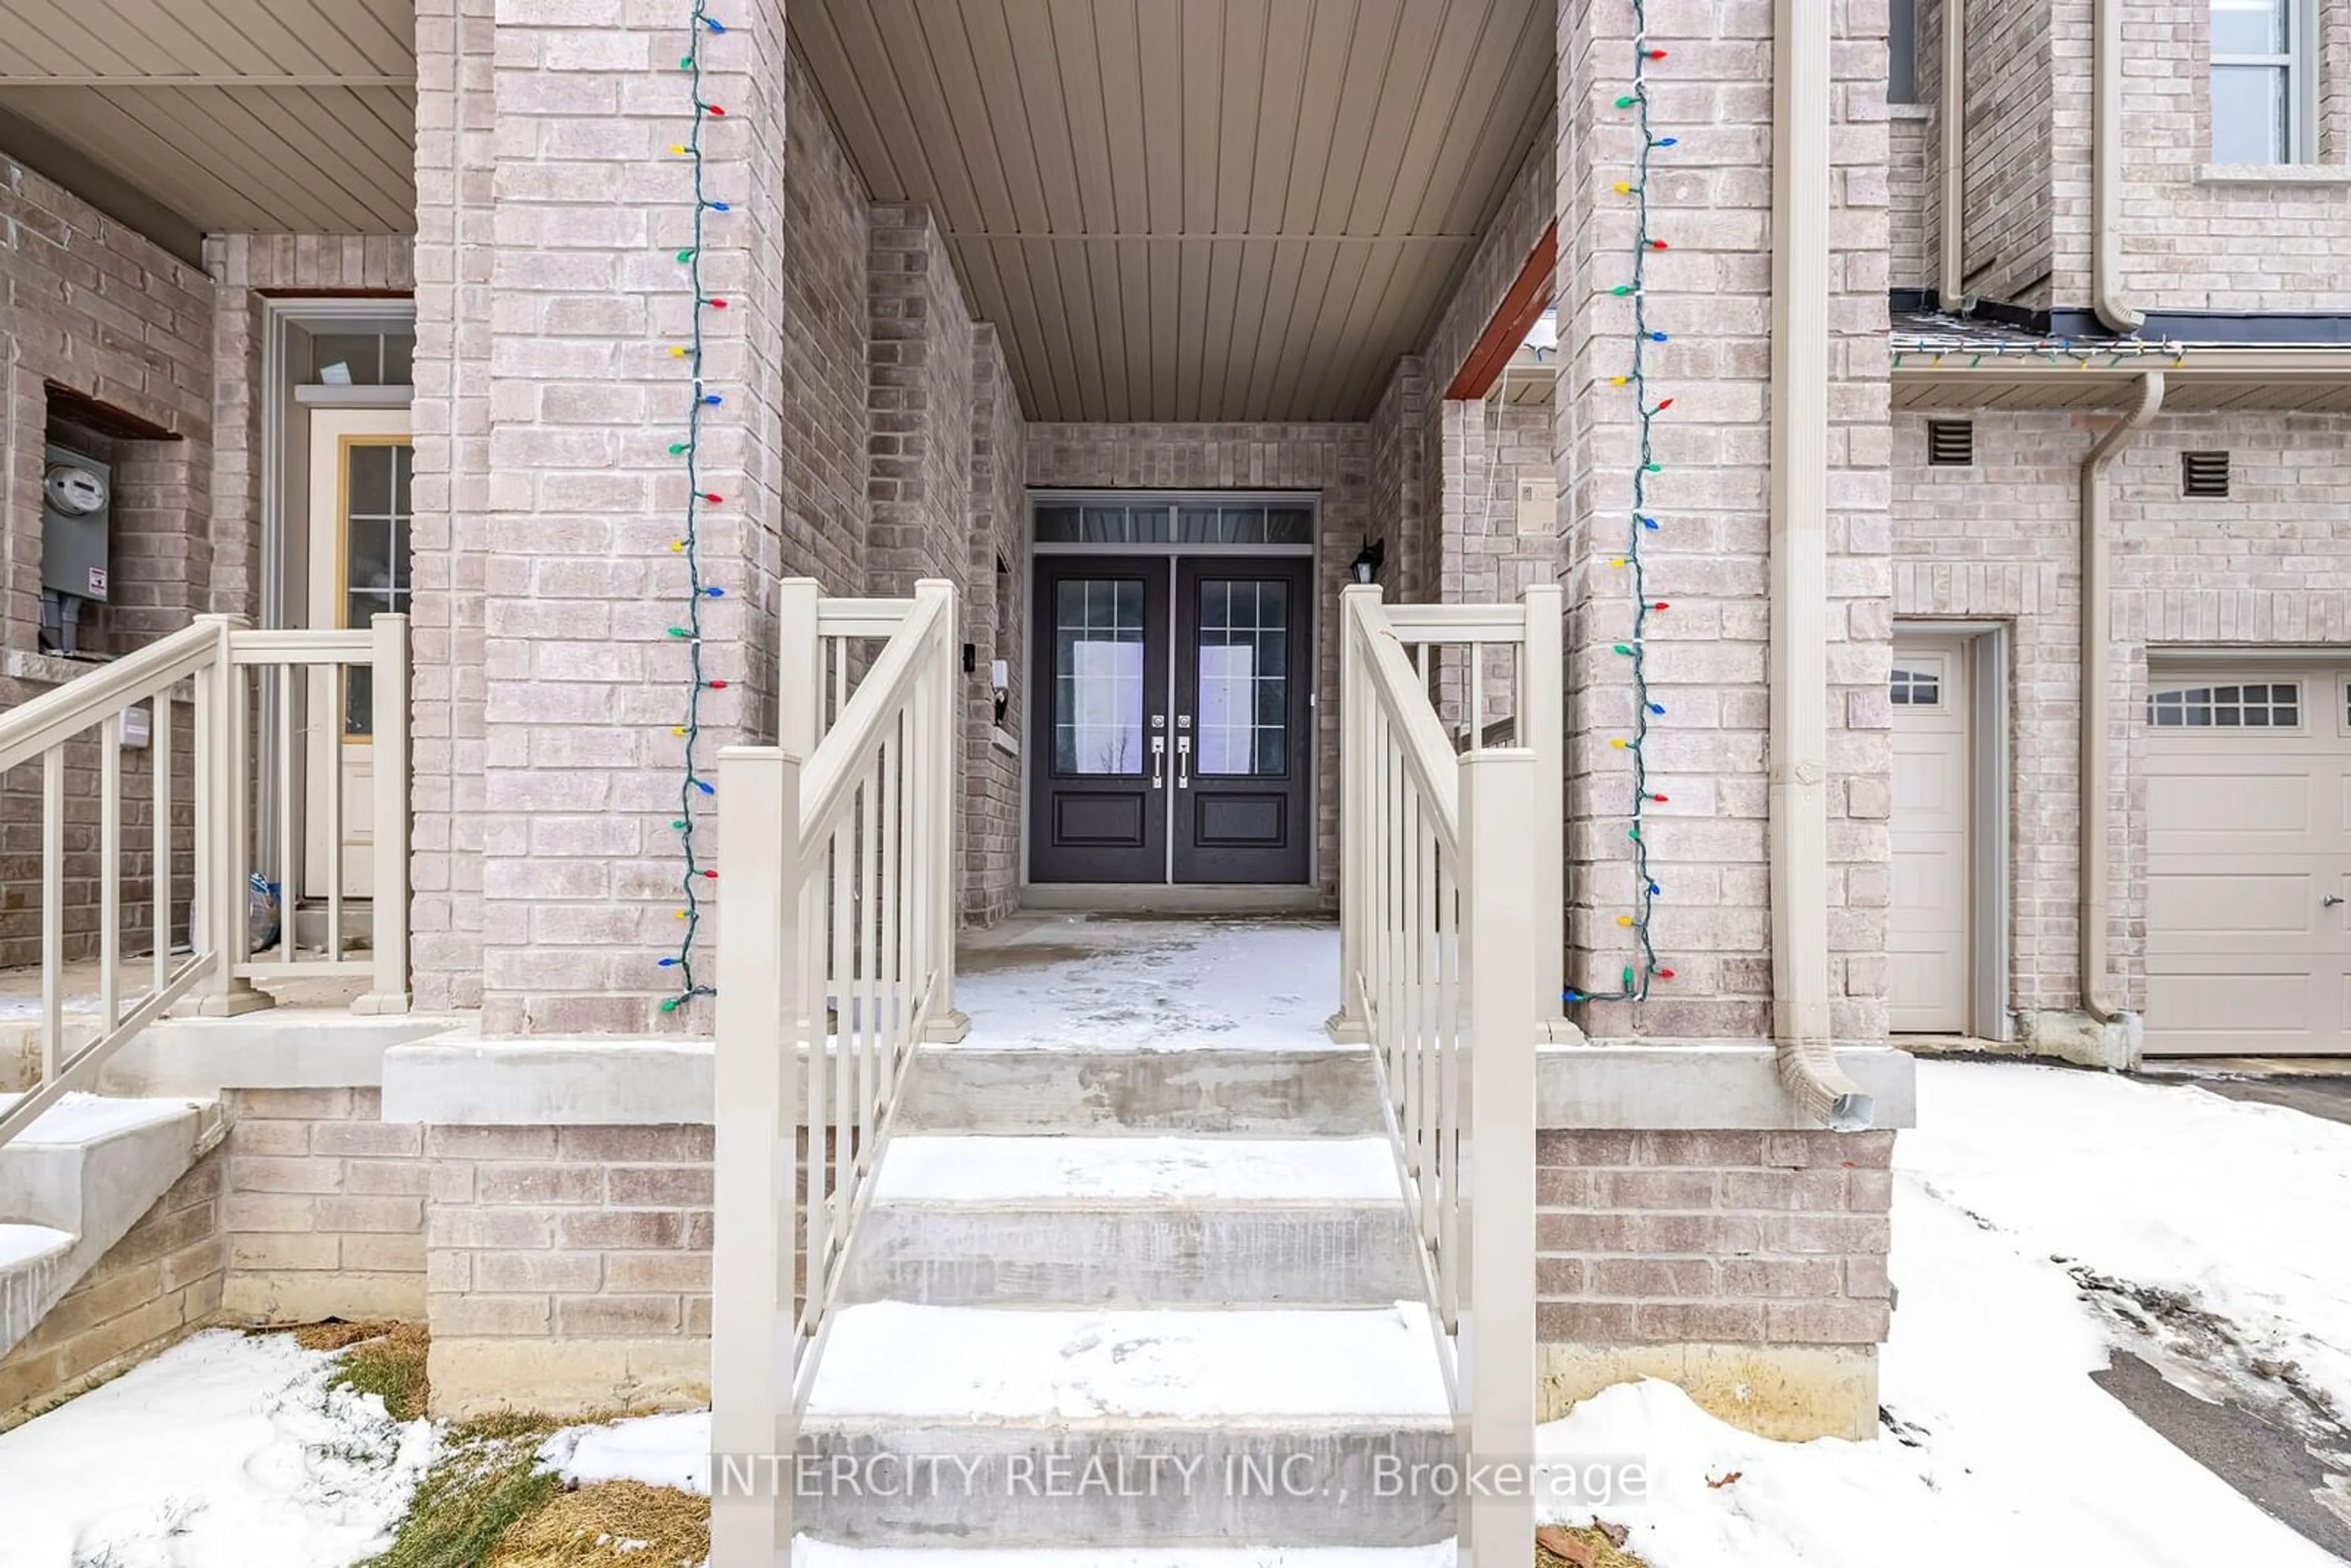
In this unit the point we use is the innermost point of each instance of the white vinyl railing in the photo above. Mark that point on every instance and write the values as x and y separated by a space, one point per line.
1444 957
836 958
209 683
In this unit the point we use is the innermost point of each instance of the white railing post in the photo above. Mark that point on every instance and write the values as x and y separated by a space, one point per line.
1542 729
758 1118
222 826
800 690
1496 1369
941 872
388 991
1347 1026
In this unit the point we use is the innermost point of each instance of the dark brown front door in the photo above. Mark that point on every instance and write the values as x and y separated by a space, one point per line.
1173 730
1243 738
1099 785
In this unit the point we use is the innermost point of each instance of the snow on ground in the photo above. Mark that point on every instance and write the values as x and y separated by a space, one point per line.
2247 1206
896 1359
1179 1170
226 1451
672 1450
2001 1448
1238 986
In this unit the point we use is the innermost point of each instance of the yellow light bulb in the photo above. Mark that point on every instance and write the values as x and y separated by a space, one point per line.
1618 381
1624 187
677 351
1618 741
1623 920
679 148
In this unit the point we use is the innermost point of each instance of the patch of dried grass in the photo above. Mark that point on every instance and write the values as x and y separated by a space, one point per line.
1605 1553
604 1524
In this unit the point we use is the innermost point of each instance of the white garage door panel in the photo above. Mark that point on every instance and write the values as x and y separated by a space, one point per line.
1927 940
2224 906
2249 832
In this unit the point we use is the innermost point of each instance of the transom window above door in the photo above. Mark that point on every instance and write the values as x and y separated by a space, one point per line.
2259 704
1176 523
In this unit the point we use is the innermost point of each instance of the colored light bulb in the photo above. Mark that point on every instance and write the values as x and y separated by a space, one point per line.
714 110
1624 187
1656 707
1663 973
669 963
1628 980
671 1006
686 255
1625 649
1665 403
713 399
1657 53
1660 799
1628 101
710 876
1661 605
1618 741
1625 920
1650 522
714 25
718 685
1666 141
713 496
705 788
1571 995
1657 244
716 593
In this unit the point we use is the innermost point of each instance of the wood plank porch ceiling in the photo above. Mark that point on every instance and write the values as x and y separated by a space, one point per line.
1173 209
262 116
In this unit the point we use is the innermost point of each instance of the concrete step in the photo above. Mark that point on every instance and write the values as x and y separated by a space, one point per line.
1135 1221
86 1169
968 1426
1311 1093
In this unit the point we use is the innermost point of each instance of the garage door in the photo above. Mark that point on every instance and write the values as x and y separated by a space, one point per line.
1926 929
2249 862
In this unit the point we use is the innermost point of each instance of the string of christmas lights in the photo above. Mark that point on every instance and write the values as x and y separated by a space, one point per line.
692 788
2055 350
1645 966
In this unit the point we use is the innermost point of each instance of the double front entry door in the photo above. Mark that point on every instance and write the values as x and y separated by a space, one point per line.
1172 720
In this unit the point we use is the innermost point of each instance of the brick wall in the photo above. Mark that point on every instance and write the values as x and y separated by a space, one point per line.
99 310
995 622
161 1279
1711 293
2241 243
825 330
1527 209
104 312
324 1212
1913 209
1485 449
2011 189
584 1245
919 393
548 498
1399 481
1333 460
2000 541
1718 1237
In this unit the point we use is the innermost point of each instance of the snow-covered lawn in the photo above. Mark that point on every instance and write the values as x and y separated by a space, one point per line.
2006 1453
226 1451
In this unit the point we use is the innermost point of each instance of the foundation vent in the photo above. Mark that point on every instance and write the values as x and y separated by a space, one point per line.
1951 442
2204 474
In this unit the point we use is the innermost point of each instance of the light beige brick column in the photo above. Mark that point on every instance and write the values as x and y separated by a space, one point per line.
554 297
1709 292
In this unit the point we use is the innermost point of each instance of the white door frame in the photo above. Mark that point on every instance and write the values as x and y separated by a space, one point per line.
1984 647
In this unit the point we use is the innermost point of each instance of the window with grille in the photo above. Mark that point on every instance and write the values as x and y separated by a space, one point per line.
1915 688
2259 704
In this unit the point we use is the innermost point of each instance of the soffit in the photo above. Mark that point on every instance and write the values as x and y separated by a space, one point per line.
1178 210
263 115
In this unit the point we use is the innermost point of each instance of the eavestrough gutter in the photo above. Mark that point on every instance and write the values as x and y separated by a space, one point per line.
1798 834
2097 698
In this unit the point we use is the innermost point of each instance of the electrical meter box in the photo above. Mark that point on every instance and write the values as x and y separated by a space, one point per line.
76 501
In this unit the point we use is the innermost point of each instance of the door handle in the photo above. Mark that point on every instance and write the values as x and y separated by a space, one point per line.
2330 901
1183 762
1159 762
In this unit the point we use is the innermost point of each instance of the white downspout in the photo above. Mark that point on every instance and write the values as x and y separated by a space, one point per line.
2106 170
1798 835
2097 679
1950 290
